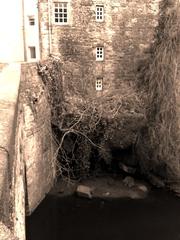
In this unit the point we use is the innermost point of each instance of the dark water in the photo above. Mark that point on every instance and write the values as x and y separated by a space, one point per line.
154 218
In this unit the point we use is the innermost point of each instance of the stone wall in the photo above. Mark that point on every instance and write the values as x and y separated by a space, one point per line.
178 102
37 145
126 33
27 160
9 89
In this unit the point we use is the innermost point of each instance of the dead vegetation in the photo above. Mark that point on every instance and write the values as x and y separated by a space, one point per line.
145 115
158 143
86 125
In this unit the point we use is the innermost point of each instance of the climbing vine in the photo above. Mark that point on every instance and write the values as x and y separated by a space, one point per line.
158 143
85 125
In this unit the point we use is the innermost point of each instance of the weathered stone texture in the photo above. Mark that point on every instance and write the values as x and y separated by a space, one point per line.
9 85
44 28
178 102
37 142
26 144
126 33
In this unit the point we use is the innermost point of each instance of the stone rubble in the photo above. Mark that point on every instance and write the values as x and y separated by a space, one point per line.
84 191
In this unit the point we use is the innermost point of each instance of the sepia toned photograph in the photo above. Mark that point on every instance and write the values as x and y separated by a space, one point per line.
90 120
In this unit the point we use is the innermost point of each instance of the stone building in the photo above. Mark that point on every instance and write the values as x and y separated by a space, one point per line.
99 41
31 30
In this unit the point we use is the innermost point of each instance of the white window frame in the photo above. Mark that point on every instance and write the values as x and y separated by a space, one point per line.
60 13
99 84
99 53
99 13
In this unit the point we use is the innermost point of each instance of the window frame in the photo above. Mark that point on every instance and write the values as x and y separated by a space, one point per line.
59 12
32 21
32 52
99 84
99 13
99 53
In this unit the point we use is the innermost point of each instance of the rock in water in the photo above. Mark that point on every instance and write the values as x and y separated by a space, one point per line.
143 188
127 169
156 181
84 191
129 181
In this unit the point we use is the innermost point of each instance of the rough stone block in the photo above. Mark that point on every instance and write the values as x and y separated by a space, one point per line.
84 191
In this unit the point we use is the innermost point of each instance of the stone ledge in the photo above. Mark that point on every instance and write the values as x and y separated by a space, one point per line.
9 91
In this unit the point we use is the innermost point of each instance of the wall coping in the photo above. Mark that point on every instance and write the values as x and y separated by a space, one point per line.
9 90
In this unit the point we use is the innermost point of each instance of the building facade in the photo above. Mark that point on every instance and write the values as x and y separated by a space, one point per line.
31 30
99 41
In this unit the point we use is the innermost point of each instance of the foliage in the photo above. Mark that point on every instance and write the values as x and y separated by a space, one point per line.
84 124
158 143
87 125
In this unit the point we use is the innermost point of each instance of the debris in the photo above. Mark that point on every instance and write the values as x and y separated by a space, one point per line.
129 181
110 182
156 181
134 195
143 188
106 194
175 187
84 191
127 169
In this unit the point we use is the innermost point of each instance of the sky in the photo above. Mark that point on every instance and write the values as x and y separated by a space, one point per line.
11 38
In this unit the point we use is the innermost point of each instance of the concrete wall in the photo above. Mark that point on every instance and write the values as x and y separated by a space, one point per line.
126 33
17 35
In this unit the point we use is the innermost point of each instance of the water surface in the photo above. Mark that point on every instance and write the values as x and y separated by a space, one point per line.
69 218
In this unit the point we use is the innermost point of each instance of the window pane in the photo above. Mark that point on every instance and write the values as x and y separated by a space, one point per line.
99 53
99 84
32 52
61 8
99 13
31 20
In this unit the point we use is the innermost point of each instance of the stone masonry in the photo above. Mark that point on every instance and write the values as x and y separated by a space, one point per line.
37 148
126 34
